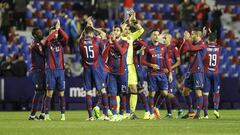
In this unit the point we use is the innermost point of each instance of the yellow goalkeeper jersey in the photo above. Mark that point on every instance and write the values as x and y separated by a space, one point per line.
130 38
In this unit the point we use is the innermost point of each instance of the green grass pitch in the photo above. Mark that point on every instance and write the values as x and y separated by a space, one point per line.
16 123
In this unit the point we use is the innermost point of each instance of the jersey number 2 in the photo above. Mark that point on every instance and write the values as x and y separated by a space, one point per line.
212 60
89 51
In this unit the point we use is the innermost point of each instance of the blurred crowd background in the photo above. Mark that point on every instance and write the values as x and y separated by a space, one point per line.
18 17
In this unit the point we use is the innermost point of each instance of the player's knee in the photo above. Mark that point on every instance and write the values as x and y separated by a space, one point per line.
133 89
49 93
186 92
205 93
198 93
216 91
103 91
89 93
164 92
61 93
170 95
152 94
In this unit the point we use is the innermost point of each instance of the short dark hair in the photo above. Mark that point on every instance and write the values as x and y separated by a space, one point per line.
52 28
118 26
153 30
197 29
88 29
211 37
34 30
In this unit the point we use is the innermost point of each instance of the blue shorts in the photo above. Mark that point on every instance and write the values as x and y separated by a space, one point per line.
55 79
39 79
211 82
93 78
142 76
157 82
118 84
172 86
194 81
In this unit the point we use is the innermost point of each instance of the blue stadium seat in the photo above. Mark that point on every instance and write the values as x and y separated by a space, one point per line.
156 7
66 28
3 39
233 51
166 9
148 16
26 56
236 10
14 49
40 23
110 23
28 64
48 14
5 50
37 5
232 43
29 14
25 50
22 39
57 5
170 25
137 7
222 34
69 14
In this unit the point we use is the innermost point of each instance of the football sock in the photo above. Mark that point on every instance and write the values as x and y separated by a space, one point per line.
169 106
189 103
42 103
145 101
175 103
113 104
122 104
151 104
105 103
62 104
35 101
89 105
205 104
47 104
118 103
216 100
199 104
133 102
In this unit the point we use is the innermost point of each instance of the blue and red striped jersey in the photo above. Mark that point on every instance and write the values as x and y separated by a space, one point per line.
197 54
211 58
173 53
115 55
156 55
90 48
54 50
137 52
37 55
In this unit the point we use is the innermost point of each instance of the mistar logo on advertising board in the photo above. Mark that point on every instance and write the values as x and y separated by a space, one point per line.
79 92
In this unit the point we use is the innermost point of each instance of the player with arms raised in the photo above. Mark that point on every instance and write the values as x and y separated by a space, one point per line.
54 51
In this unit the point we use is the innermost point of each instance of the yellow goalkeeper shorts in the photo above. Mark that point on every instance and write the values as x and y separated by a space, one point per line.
132 75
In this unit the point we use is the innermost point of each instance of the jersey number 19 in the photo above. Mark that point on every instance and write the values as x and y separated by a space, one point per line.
212 60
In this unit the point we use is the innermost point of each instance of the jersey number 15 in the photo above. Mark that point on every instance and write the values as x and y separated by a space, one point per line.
89 51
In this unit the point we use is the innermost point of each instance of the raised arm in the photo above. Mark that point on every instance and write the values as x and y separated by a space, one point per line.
122 49
144 59
64 34
195 47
